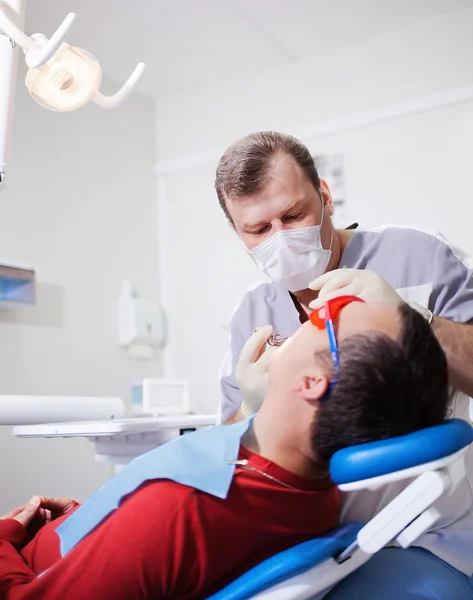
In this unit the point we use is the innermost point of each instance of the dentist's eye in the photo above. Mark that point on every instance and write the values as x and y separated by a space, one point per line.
293 217
260 231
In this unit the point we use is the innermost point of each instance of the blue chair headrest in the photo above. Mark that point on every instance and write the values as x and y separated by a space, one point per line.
374 459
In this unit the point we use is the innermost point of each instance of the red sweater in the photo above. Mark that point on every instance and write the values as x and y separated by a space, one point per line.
168 539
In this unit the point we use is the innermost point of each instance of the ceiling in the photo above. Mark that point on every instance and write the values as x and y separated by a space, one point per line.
187 43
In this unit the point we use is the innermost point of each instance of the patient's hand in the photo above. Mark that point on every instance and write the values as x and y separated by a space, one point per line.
40 510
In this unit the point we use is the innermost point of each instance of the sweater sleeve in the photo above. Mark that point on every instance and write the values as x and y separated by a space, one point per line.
12 531
146 549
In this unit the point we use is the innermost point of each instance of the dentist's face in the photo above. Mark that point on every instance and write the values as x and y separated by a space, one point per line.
289 201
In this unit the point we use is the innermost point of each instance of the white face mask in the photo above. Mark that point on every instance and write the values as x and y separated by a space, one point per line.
293 257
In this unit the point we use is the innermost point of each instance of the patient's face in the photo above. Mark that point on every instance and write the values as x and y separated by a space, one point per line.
297 353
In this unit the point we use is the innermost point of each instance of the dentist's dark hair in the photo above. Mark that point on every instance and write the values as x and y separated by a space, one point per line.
245 167
386 387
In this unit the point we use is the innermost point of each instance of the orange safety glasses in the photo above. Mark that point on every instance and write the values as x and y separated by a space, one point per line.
323 318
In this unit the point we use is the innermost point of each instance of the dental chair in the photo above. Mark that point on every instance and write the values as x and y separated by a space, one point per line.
433 458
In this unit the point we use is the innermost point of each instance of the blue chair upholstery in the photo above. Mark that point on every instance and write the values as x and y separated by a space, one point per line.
289 563
396 454
348 465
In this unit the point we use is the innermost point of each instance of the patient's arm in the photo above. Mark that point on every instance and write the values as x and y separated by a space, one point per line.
23 523
140 551
44 550
13 532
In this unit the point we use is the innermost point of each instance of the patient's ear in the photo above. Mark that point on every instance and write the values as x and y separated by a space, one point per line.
311 389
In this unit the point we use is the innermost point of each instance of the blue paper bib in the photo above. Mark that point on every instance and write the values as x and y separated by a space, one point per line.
199 460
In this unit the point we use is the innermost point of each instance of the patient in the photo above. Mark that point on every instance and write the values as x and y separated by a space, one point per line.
170 540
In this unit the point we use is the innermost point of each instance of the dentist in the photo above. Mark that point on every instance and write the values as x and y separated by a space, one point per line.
269 189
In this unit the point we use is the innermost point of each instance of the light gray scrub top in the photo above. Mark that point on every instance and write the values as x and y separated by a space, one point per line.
422 266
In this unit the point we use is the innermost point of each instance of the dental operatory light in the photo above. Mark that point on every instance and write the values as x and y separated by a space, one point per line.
70 78
60 77
67 81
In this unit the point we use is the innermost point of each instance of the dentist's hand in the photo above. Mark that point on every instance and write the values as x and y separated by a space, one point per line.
367 285
252 370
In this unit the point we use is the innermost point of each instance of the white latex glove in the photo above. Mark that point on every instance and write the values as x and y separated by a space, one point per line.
252 370
367 285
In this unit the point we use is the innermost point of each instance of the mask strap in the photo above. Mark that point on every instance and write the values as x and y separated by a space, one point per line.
331 240
322 220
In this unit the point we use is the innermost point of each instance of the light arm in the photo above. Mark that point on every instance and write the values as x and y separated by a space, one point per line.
36 55
40 54
8 69
123 92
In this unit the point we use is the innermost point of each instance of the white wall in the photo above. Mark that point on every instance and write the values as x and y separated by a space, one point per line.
407 169
425 58
80 207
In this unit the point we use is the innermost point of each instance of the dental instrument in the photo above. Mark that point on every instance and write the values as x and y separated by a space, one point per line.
276 340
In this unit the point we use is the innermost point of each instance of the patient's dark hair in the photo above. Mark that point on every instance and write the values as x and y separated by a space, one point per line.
385 388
